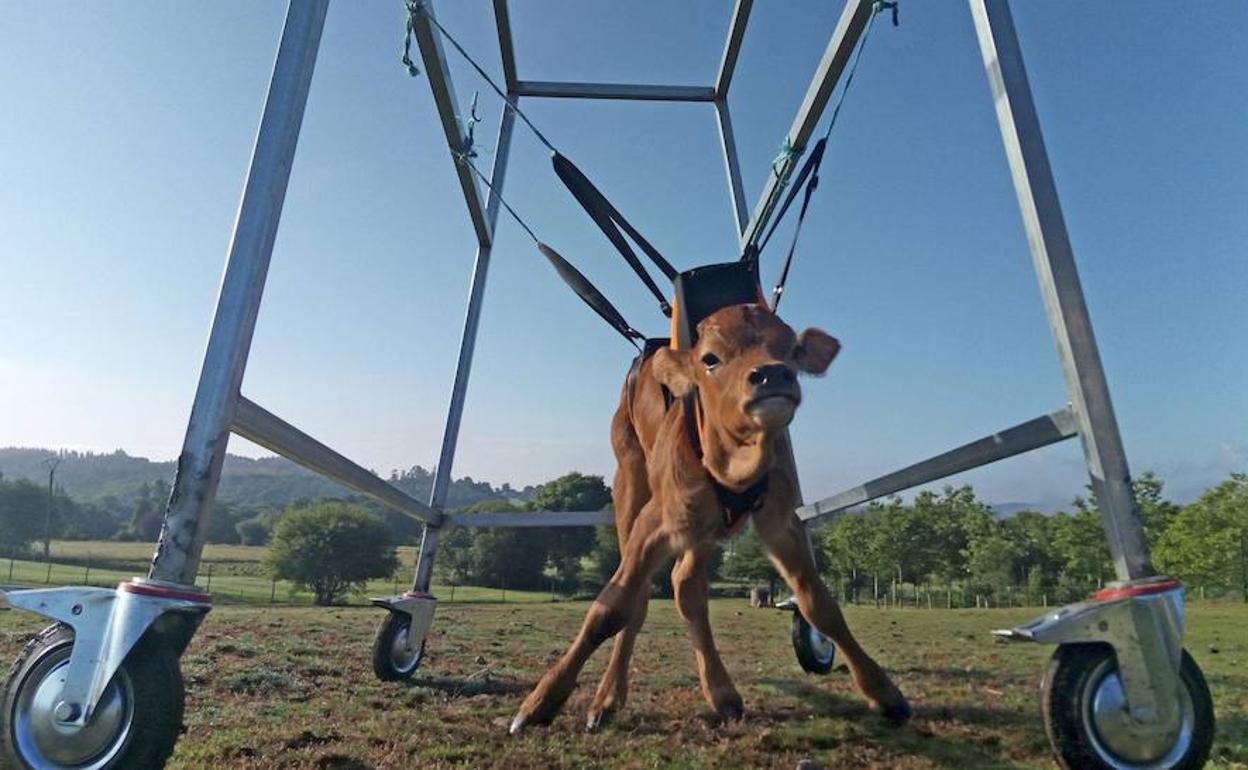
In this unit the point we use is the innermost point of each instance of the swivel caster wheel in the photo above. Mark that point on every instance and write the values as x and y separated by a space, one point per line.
1085 717
393 659
815 652
134 727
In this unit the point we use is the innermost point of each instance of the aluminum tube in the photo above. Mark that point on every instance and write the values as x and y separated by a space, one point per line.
254 423
203 449
1033 434
1064 305
439 77
506 46
639 92
463 367
728 143
533 519
732 47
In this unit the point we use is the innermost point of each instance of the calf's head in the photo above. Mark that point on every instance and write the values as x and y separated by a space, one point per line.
745 366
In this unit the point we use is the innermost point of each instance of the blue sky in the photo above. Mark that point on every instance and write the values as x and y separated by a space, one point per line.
129 127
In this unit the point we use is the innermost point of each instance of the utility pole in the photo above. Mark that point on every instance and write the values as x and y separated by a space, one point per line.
52 462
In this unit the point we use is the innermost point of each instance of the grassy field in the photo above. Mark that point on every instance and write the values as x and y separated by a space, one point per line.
291 687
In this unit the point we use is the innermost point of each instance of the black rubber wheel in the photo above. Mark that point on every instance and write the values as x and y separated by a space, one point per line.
815 652
392 662
1084 715
134 727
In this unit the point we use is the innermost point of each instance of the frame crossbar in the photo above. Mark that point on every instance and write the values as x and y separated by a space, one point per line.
254 423
533 519
1033 434
555 89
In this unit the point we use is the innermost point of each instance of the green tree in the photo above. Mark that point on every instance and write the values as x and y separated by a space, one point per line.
1207 542
991 561
842 546
604 558
746 560
1029 533
566 546
22 504
1080 550
252 531
331 548
501 557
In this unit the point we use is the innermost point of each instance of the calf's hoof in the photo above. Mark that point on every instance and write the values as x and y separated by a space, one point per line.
596 719
522 720
894 707
897 713
543 713
731 709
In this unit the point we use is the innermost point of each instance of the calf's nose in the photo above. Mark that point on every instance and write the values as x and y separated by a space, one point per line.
771 374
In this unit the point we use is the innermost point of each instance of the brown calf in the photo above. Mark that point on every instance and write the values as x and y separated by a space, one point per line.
692 468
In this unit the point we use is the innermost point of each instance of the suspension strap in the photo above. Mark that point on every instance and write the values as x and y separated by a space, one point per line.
611 221
570 275
591 296
807 178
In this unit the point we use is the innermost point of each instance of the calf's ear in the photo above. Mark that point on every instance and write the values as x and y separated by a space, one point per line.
815 350
674 370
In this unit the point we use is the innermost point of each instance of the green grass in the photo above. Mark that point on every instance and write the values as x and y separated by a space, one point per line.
291 687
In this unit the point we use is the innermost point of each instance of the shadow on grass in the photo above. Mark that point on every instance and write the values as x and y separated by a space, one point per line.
454 687
916 737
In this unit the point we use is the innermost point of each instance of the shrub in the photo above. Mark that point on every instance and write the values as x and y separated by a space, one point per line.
331 548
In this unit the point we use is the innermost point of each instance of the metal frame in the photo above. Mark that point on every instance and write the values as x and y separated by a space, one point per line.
219 406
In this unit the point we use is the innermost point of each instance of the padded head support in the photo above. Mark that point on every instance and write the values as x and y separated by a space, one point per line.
703 290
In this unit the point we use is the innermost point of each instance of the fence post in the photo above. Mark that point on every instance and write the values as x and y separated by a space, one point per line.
86 577
10 569
208 588
273 591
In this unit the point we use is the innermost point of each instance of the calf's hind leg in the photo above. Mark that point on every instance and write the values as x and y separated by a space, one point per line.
786 540
617 605
630 491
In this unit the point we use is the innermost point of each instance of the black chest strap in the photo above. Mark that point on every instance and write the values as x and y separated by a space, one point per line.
733 505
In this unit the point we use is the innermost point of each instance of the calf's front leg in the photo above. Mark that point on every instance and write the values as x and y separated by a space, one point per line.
618 604
787 543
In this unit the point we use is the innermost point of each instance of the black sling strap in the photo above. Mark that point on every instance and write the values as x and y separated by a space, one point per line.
611 221
590 294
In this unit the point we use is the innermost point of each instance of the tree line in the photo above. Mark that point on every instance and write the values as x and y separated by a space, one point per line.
948 544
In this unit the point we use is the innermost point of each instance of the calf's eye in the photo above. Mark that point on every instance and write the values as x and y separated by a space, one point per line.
710 361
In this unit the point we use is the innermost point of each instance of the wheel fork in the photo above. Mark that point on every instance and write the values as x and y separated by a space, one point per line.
417 605
1143 621
107 624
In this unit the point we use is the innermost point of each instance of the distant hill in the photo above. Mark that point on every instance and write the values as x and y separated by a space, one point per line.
245 482
1009 510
